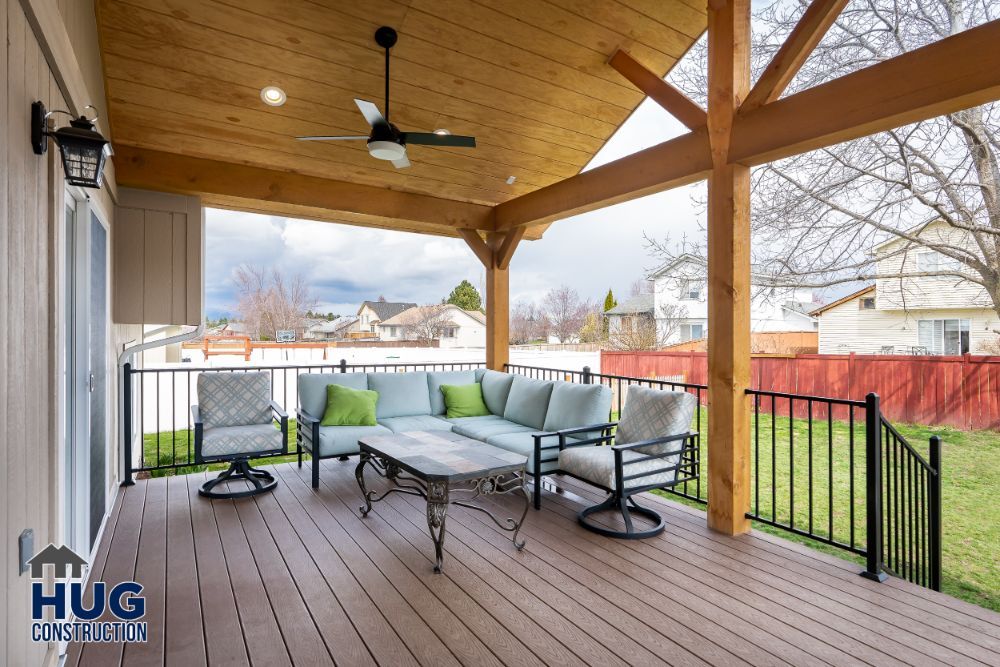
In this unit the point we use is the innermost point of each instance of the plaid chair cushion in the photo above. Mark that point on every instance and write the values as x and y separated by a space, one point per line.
234 399
248 439
597 465
655 413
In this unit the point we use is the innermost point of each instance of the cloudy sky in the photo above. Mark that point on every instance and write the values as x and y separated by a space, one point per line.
346 265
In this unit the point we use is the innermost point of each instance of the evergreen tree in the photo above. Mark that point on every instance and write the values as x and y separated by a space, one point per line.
466 297
609 301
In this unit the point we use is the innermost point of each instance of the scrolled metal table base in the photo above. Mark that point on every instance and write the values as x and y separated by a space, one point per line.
437 495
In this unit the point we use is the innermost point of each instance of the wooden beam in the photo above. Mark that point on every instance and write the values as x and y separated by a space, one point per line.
728 273
949 75
478 246
350 203
675 102
786 63
497 314
952 74
507 247
670 164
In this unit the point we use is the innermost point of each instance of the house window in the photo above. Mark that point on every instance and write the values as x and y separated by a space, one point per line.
867 303
930 261
944 336
692 331
392 332
449 332
691 290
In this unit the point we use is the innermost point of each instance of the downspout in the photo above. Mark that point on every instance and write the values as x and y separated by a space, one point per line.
129 353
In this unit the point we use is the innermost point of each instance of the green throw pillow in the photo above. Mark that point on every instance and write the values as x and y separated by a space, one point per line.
464 400
349 407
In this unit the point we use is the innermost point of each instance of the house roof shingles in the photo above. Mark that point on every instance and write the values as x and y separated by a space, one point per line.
387 309
643 303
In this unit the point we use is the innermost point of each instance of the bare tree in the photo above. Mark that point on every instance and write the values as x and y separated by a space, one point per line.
270 301
424 322
565 312
527 323
817 217
643 331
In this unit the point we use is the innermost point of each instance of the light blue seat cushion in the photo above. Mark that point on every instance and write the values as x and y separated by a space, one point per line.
415 423
528 401
481 428
245 439
574 405
523 443
496 387
400 394
312 389
435 380
234 399
340 440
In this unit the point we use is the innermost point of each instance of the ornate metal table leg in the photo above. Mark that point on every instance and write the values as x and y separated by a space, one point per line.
527 504
359 473
437 511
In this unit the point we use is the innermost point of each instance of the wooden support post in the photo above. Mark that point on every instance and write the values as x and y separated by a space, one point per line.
495 253
728 273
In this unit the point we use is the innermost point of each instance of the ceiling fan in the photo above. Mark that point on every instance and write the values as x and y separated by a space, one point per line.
386 141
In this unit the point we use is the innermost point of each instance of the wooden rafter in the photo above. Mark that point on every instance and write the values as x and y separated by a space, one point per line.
954 73
815 23
348 202
675 102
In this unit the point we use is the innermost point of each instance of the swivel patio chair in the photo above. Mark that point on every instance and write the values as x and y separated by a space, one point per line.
234 421
654 448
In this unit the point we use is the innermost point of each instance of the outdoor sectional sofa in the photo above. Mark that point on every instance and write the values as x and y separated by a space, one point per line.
525 414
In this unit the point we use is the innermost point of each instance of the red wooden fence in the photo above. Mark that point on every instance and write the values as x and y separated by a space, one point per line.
963 392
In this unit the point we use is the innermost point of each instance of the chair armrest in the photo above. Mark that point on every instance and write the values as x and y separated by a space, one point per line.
279 412
586 429
196 415
656 441
604 438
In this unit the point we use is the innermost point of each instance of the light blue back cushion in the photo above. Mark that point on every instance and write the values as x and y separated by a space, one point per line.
573 405
496 387
480 372
527 401
435 380
312 388
400 394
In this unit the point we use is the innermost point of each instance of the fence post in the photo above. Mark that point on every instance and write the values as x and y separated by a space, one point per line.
587 378
873 489
934 529
127 423
343 365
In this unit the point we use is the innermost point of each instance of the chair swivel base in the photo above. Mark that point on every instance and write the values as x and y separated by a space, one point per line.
613 503
261 481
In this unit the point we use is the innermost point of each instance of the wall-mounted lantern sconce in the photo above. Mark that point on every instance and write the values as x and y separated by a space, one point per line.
84 150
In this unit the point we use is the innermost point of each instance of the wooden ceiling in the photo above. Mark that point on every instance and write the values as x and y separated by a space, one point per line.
528 78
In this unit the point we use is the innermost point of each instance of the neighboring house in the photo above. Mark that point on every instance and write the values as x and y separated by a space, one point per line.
920 315
680 296
372 313
447 323
323 329
636 310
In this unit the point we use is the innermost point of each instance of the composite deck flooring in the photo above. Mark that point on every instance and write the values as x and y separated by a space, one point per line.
298 577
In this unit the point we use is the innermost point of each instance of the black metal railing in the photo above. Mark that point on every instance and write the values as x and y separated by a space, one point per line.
619 384
161 400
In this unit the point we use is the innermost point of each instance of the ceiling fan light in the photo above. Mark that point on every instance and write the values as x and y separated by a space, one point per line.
386 150
443 132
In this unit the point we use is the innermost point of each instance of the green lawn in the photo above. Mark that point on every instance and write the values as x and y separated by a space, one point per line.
970 481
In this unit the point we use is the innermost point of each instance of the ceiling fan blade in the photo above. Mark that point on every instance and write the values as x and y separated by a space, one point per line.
432 139
325 138
401 163
370 112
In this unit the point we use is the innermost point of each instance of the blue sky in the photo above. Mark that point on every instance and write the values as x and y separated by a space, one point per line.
346 265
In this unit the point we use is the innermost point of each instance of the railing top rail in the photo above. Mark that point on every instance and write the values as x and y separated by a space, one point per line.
278 367
630 378
909 448
806 397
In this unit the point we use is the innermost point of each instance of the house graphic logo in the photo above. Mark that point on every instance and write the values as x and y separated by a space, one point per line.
64 608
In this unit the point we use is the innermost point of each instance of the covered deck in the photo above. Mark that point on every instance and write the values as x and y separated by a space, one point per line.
299 577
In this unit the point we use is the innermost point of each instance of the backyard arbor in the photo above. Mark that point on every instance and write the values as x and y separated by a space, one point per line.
518 96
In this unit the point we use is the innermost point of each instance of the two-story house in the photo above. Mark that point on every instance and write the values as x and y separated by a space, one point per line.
372 313
918 314
450 325
680 297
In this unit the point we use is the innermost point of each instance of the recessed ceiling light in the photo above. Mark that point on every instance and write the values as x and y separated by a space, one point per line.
511 179
442 132
273 96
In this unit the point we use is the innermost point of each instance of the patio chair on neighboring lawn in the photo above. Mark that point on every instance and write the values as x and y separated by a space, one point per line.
233 422
654 449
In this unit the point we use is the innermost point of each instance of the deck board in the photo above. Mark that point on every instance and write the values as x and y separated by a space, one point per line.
298 577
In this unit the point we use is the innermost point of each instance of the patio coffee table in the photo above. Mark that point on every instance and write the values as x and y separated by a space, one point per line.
435 464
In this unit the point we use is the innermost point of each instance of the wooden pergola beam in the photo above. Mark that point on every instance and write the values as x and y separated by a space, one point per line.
675 102
269 189
952 74
786 63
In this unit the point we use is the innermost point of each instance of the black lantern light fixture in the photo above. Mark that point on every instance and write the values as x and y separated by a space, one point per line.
84 150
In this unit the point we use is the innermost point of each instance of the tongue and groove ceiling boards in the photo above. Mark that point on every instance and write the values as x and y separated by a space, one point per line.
528 78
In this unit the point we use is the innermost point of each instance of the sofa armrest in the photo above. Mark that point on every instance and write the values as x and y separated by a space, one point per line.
308 428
